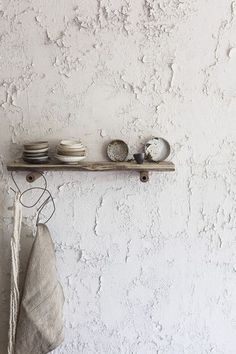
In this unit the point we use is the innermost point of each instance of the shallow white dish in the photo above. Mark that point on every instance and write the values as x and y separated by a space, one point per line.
71 144
72 152
36 145
69 159
68 149
36 150
157 149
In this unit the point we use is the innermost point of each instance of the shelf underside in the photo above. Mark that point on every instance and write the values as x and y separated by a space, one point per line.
163 166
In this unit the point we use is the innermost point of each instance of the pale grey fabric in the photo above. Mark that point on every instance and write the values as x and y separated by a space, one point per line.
40 321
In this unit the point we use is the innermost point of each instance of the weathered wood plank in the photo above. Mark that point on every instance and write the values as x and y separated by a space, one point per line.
163 166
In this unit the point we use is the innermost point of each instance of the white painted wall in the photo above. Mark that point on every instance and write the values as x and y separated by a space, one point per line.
146 268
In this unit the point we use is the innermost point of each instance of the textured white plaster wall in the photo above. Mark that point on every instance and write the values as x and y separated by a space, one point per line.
146 268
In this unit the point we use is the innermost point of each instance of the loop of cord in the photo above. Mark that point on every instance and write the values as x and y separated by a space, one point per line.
43 204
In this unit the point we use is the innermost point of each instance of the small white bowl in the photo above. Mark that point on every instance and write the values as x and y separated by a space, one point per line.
70 159
71 144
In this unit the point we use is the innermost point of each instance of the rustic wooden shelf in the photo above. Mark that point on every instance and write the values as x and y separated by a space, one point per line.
144 168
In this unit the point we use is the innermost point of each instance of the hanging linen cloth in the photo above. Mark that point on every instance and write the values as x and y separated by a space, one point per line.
40 322
14 289
36 315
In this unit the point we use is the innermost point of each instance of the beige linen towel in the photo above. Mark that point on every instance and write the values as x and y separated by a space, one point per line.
40 321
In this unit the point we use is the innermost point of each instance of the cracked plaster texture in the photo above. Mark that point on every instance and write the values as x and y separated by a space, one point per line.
146 268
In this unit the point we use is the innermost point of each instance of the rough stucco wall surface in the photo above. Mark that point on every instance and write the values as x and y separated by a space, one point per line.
146 268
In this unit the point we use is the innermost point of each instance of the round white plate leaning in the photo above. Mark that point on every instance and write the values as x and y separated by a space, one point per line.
157 149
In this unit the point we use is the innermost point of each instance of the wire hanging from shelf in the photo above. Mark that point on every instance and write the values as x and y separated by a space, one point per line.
43 204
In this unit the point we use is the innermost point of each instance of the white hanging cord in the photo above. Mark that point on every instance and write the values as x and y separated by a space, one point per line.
14 291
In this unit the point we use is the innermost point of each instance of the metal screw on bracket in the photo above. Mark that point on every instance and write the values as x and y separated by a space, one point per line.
32 176
144 176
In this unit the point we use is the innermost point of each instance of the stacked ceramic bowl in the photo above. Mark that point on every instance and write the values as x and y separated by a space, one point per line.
36 152
70 151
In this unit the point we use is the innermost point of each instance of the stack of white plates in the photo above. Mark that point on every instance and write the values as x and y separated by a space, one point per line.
70 151
36 152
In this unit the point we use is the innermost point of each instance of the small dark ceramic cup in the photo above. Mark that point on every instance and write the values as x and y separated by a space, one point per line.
139 158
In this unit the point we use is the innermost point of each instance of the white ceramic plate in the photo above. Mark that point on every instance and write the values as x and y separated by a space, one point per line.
36 145
71 147
36 150
157 149
71 144
71 152
68 149
70 159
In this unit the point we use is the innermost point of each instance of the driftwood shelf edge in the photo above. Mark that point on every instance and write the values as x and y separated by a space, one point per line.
164 166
